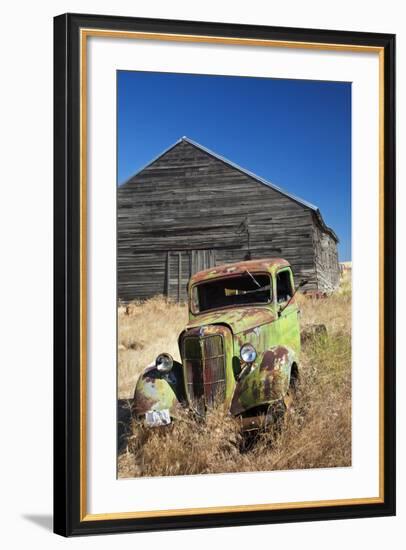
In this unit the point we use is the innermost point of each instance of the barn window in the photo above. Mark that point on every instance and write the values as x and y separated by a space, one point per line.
284 289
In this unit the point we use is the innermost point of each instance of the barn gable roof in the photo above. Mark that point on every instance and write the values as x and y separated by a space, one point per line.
232 164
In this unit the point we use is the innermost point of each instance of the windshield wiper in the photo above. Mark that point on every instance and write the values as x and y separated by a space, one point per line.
253 278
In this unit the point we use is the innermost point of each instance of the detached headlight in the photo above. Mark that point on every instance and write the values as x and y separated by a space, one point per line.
164 362
248 353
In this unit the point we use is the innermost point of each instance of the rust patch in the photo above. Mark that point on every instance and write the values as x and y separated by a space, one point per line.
272 357
203 329
141 403
267 388
240 319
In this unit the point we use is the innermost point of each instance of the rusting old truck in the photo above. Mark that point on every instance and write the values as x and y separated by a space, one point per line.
240 348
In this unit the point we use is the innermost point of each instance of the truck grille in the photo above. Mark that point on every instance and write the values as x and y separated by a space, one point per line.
204 370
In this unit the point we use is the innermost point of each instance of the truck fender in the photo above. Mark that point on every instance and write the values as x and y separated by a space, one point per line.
265 382
156 390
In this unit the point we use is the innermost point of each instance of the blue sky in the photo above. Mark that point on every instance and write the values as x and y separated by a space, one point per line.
295 133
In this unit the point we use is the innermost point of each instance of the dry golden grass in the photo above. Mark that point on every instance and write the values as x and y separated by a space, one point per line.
315 433
148 329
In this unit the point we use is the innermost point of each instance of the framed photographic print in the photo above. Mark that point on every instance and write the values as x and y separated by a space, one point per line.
224 274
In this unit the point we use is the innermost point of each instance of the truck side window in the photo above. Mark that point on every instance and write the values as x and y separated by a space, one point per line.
283 286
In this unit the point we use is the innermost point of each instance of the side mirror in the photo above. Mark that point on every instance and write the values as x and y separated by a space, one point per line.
303 282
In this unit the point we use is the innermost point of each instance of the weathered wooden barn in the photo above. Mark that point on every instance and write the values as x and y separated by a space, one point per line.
190 209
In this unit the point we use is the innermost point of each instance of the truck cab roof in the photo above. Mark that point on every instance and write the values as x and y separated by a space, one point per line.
269 265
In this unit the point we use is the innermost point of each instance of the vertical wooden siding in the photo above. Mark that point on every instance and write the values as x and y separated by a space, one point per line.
326 260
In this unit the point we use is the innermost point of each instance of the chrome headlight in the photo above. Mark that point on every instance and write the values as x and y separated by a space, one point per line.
248 353
164 362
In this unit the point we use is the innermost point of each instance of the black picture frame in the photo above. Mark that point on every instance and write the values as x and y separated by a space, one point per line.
67 350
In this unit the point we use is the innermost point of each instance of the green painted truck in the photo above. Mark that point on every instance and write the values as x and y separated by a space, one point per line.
240 349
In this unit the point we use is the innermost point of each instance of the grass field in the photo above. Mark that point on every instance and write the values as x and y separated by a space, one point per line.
316 433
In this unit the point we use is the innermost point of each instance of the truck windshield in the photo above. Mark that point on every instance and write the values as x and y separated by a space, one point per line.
232 291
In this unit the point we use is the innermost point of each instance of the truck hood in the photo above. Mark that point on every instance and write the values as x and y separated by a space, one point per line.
238 319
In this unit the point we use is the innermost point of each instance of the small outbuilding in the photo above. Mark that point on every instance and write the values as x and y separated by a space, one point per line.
190 209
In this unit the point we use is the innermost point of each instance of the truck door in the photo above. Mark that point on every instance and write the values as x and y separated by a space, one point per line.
288 322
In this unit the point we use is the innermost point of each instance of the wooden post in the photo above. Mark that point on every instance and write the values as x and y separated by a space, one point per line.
179 274
168 273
